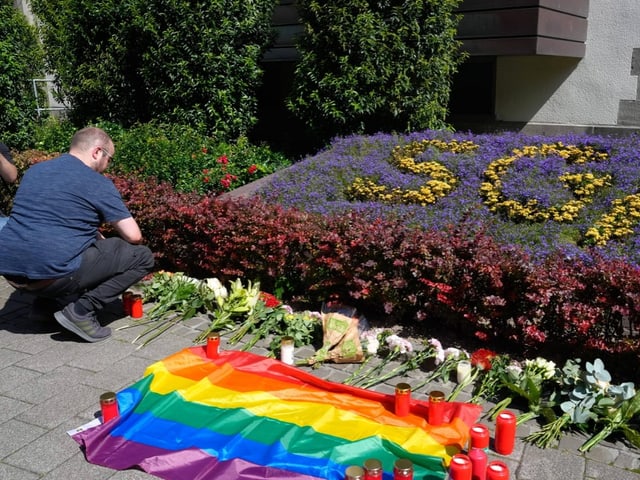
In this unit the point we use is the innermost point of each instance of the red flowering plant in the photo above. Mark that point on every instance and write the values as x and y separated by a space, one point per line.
227 167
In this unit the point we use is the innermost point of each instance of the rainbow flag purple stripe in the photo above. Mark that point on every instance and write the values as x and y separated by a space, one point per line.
246 417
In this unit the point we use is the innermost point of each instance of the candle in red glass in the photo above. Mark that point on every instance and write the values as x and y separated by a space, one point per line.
460 467
109 406
136 306
435 412
497 471
126 302
403 399
505 432
479 460
354 473
372 469
213 345
403 469
479 436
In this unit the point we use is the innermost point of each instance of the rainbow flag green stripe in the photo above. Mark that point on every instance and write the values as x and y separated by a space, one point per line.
243 412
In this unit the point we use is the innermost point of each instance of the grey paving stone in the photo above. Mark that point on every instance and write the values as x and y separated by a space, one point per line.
119 375
11 407
8 472
629 460
13 377
63 406
53 357
45 453
550 464
15 434
598 470
10 357
78 467
97 357
29 342
46 386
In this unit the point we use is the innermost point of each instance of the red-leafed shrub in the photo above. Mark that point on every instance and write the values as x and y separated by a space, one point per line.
455 277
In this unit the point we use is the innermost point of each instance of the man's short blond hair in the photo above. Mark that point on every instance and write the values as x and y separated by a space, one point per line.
89 137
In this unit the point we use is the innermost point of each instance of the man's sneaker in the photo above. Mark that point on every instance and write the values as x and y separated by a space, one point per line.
86 327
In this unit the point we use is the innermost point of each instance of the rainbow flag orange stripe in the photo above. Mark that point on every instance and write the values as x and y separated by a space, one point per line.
247 417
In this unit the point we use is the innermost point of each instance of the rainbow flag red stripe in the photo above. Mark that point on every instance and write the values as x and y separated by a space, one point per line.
247 417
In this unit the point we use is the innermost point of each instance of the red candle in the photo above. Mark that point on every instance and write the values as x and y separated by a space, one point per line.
109 406
213 345
372 469
403 399
403 469
136 306
497 471
354 472
479 436
479 460
435 412
505 433
126 302
460 467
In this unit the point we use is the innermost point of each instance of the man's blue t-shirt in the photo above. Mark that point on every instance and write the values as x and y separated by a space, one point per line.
56 213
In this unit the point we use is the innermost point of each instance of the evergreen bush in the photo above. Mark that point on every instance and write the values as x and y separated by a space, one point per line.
181 62
21 60
368 66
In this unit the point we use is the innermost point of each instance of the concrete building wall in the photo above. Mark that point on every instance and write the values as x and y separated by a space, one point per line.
599 90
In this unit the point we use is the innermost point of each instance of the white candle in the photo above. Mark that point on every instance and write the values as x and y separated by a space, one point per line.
463 370
286 350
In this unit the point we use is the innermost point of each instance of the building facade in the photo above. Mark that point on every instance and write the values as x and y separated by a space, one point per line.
542 66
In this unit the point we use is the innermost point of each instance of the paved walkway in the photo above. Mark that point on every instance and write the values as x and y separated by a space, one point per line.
50 382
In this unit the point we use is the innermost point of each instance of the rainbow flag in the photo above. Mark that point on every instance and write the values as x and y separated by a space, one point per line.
247 417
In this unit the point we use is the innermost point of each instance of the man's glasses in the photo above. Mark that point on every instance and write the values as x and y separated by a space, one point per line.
109 157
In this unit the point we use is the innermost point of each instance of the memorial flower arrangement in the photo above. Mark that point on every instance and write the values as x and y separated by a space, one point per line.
177 298
588 401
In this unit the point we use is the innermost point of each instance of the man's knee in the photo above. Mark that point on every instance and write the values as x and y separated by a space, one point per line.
145 257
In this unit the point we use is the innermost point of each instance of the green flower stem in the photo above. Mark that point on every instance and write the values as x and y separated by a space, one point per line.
597 438
461 386
501 405
549 433
354 376
525 417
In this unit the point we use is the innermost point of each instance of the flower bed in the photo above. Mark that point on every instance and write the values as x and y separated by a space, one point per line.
463 250
547 194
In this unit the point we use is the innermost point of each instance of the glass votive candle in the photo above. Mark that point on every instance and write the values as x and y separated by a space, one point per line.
480 437
136 306
286 350
505 437
213 345
403 469
372 469
435 413
460 467
354 472
463 371
497 470
109 406
403 399
126 302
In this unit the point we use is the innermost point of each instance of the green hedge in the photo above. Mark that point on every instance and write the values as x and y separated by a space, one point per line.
176 61
21 60
375 66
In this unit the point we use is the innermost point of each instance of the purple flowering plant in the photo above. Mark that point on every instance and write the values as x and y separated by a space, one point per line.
322 183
